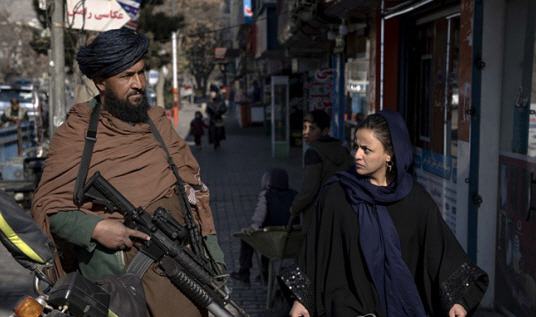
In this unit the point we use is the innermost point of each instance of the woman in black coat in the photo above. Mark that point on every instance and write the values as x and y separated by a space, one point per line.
379 245
216 128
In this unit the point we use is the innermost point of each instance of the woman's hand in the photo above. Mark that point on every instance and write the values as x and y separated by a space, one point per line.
457 310
298 310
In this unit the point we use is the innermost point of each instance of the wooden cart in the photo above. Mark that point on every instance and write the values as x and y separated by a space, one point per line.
276 243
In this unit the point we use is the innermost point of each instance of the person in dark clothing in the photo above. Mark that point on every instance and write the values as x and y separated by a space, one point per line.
272 210
129 155
255 92
215 111
197 126
378 245
324 157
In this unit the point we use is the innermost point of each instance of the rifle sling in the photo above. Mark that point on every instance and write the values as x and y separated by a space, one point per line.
185 205
91 138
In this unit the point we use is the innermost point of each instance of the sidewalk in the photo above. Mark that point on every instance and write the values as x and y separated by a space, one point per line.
233 174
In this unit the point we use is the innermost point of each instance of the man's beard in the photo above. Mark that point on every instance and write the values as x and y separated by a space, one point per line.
125 110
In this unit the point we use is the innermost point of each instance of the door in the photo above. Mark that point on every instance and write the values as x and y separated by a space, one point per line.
432 105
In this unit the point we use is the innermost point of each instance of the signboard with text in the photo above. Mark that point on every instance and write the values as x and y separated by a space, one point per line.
320 88
248 12
96 15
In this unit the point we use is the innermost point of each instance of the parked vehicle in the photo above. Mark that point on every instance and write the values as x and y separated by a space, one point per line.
21 174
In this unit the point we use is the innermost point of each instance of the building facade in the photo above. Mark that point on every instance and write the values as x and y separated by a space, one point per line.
462 74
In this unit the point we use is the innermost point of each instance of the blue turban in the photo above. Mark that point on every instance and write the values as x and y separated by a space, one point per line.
112 52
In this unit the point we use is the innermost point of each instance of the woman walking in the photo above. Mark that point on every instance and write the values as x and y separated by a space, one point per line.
379 245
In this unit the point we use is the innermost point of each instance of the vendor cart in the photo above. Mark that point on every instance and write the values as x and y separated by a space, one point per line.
276 243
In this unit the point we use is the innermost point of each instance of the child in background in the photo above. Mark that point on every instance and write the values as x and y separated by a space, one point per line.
197 126
272 210
324 157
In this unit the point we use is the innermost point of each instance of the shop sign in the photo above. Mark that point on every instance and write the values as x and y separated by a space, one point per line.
96 15
321 89
248 12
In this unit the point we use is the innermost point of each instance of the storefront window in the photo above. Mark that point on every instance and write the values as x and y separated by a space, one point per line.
356 92
433 77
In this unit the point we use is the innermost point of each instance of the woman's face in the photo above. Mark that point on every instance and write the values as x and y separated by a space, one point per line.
370 157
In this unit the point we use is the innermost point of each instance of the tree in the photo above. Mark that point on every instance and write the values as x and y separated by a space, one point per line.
200 54
204 20
197 37
15 52
41 43
158 26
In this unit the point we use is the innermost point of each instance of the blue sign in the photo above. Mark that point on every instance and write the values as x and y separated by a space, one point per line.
248 12
132 8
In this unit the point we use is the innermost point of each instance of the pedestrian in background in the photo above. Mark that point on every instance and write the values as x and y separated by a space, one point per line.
197 128
272 209
14 114
323 158
378 245
215 110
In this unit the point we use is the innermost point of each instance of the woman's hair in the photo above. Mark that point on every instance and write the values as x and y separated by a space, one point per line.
379 126
198 114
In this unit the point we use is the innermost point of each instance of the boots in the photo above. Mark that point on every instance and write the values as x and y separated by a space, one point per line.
242 275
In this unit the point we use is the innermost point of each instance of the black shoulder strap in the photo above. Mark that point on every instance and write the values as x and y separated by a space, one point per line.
195 236
91 137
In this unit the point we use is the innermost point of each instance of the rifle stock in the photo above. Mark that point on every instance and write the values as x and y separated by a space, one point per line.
190 272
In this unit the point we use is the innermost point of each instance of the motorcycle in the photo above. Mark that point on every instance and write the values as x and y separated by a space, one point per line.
71 294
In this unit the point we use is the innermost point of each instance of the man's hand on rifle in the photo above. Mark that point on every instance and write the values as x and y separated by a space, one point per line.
114 235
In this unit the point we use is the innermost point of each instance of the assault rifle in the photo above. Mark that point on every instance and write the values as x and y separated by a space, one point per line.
171 246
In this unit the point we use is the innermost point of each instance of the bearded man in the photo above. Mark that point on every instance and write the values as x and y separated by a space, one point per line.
129 156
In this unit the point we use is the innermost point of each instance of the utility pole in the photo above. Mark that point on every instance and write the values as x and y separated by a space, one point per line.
176 95
57 65
175 81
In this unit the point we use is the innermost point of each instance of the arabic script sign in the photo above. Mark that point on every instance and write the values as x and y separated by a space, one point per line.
320 90
96 15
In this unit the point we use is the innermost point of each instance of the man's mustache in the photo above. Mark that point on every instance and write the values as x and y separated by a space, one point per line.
136 92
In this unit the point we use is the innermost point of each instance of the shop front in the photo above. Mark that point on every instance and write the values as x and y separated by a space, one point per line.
515 289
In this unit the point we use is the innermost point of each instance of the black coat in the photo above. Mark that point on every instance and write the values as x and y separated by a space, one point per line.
215 110
332 258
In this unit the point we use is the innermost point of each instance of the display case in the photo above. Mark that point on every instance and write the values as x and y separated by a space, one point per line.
280 116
